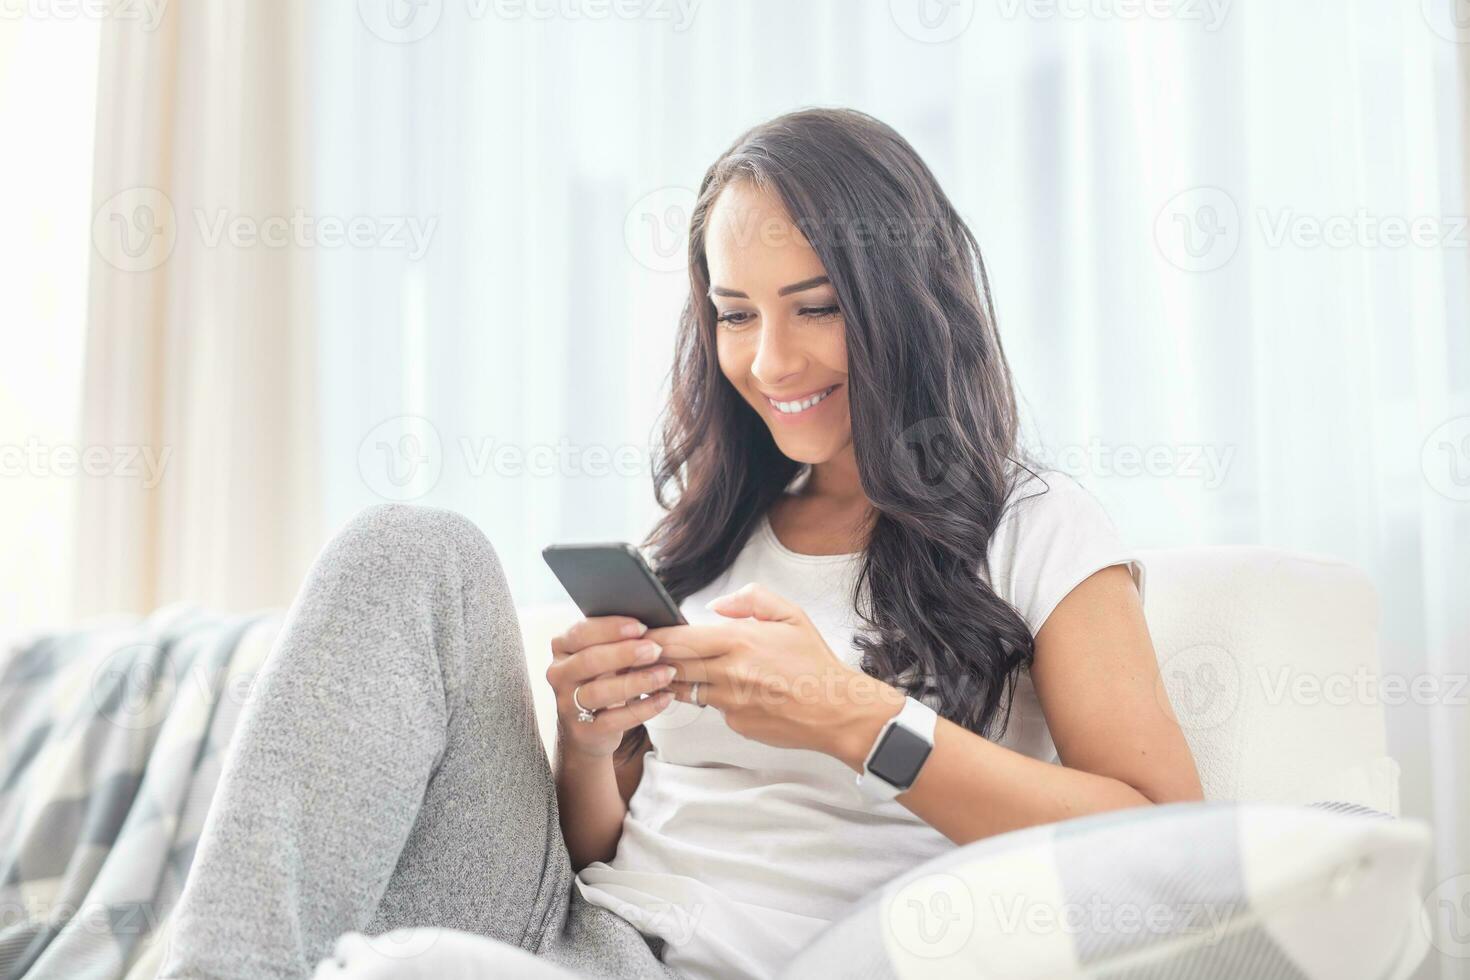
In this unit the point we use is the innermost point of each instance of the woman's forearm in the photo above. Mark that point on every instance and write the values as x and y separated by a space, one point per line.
972 788
591 808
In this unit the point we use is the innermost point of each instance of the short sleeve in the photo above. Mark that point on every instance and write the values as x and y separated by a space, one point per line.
1051 537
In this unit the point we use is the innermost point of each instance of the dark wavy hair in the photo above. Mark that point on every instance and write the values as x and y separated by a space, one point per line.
934 420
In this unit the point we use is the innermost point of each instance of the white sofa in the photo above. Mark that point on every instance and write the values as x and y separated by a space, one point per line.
1268 658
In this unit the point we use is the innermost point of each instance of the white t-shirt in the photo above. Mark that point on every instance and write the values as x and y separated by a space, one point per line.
738 853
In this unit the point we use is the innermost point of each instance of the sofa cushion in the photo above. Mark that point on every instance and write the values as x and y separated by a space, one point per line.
1195 890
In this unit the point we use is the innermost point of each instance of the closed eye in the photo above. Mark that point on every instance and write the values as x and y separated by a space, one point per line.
818 312
731 318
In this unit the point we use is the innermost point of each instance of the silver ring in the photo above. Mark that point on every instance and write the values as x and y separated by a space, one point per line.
694 694
582 713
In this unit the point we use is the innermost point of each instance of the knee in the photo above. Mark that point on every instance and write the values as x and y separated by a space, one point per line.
413 538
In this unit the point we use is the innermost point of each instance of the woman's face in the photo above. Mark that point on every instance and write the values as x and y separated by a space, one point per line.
778 329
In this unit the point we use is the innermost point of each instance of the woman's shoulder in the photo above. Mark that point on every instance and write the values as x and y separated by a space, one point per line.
1052 534
1040 496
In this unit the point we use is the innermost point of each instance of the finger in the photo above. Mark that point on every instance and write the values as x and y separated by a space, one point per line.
685 642
593 630
709 696
612 689
755 601
603 658
611 720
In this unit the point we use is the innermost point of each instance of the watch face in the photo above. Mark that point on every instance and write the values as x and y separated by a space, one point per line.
899 756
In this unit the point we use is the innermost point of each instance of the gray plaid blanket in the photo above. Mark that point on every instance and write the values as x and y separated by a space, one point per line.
111 742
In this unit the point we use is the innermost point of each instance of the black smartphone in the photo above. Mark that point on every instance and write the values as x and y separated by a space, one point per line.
613 580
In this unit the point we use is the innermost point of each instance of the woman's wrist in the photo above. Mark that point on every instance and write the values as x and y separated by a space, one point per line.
857 716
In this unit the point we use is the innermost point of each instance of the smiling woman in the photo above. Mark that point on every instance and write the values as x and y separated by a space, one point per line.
902 626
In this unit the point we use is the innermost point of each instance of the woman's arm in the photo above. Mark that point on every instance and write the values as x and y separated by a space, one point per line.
602 664
1096 676
592 795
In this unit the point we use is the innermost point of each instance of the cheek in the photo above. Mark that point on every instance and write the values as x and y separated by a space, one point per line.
734 361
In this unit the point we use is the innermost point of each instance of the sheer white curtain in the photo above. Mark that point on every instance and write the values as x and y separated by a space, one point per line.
1224 239
199 339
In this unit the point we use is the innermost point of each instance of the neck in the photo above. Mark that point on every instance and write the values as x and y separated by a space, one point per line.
837 480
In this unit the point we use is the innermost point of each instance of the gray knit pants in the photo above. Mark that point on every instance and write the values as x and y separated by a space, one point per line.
387 774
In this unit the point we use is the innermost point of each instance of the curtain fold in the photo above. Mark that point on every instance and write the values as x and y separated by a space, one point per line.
200 341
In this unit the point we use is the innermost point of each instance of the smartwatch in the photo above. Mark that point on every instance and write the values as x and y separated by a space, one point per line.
899 752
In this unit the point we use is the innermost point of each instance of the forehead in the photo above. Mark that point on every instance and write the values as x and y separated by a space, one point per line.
751 243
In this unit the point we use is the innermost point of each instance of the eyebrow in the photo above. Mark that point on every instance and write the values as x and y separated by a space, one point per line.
795 287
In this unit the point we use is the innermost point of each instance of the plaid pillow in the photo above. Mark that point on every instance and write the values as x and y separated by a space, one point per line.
1184 890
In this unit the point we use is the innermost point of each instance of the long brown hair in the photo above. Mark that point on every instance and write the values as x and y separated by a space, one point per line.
934 421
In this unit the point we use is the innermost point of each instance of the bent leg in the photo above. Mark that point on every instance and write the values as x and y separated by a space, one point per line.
387 770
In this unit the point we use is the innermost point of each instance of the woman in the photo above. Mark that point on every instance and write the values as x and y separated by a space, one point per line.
852 504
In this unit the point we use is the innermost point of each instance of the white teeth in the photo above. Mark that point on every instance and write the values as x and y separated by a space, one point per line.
791 408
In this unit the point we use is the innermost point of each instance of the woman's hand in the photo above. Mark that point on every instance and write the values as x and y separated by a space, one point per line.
772 675
610 659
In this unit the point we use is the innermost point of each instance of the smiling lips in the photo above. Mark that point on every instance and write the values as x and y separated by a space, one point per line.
803 405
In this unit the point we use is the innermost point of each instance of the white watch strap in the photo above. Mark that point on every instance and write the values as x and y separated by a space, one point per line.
918 718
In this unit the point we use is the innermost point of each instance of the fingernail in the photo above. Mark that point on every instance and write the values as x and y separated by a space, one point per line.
666 674
634 629
646 652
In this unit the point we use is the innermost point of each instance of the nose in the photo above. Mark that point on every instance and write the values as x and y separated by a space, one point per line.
777 358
